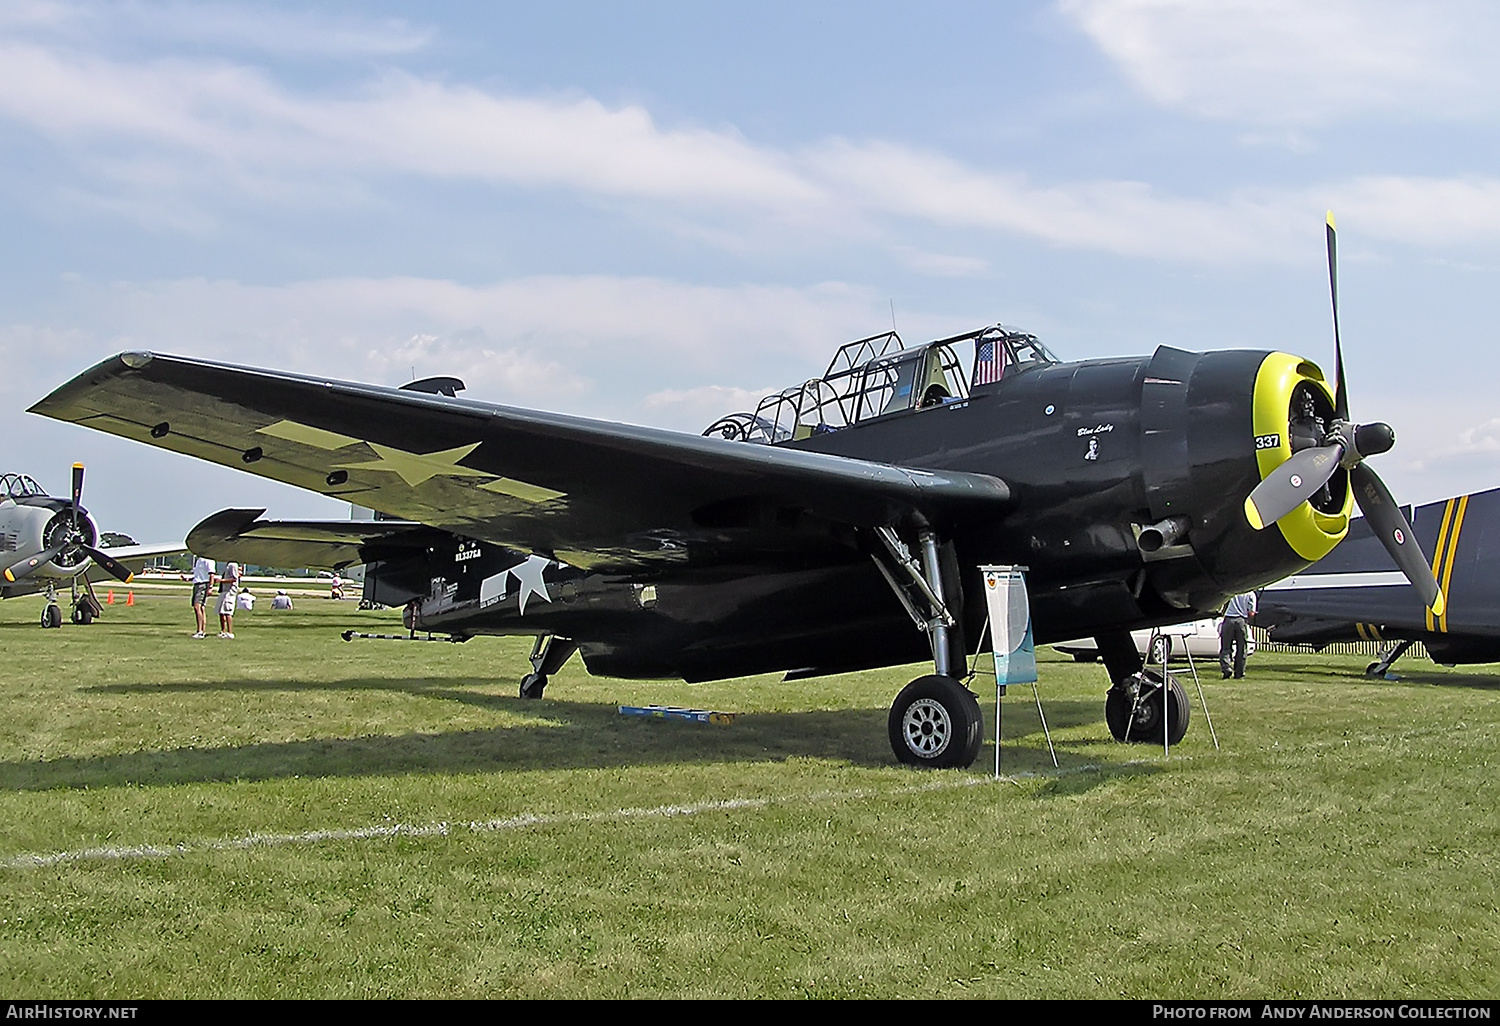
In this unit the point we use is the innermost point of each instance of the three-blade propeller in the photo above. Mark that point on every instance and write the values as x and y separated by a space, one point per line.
1346 444
74 542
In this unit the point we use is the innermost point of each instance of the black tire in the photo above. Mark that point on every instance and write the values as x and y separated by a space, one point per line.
1085 657
1159 651
1146 726
935 722
1370 670
82 614
51 616
533 684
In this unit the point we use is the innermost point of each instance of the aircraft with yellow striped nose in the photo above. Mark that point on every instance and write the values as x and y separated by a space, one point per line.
839 526
1356 593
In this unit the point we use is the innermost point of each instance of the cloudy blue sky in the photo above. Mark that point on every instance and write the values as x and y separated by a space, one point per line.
655 211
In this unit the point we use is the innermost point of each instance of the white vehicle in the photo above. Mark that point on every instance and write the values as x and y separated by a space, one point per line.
1200 638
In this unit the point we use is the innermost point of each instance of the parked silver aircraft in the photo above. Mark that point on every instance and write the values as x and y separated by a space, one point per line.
45 541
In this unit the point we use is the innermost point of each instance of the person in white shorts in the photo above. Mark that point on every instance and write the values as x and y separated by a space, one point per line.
202 578
229 589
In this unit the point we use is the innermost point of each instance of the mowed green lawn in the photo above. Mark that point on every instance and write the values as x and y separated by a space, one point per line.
290 815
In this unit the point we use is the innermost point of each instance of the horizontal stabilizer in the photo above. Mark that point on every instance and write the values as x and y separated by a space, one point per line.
240 535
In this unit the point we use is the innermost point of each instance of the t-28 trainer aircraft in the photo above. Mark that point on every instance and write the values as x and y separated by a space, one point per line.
1355 594
803 536
45 541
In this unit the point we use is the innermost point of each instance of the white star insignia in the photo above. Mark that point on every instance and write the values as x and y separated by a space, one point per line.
529 576
415 468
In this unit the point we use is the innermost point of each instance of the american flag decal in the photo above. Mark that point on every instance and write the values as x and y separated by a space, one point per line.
987 363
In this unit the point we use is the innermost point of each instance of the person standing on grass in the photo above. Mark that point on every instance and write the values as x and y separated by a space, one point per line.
229 587
202 577
1234 633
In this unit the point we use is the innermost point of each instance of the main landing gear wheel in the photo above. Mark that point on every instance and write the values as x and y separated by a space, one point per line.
533 684
1142 692
935 722
82 614
51 615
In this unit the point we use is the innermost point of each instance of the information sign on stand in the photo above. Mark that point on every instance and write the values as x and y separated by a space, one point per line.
1010 634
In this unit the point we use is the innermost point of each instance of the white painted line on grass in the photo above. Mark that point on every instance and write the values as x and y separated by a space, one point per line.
521 822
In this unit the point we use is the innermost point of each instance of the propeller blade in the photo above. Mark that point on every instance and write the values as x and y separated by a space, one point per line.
1341 394
109 564
1390 526
25 567
1291 484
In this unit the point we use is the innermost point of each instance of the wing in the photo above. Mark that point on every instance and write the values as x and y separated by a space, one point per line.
135 557
239 534
590 493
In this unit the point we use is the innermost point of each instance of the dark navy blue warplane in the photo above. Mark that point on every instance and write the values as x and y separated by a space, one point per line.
837 527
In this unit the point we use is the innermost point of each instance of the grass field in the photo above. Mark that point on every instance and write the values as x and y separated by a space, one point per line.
290 815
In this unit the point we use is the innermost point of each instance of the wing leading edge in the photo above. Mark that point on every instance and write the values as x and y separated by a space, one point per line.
590 492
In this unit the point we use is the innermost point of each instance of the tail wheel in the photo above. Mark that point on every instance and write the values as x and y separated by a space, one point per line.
1133 709
935 722
533 684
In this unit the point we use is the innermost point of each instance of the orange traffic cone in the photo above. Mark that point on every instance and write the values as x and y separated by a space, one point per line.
130 599
110 598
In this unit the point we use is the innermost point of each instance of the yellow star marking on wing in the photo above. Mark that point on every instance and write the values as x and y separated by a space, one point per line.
306 435
521 490
582 560
416 467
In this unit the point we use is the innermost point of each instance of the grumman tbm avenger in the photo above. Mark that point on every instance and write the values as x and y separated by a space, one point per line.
45 541
801 537
1355 593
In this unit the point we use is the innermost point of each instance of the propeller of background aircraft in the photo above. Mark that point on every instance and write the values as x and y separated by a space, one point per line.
76 540
1346 444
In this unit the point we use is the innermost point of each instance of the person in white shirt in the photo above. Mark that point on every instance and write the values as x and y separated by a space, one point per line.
229 588
202 577
282 600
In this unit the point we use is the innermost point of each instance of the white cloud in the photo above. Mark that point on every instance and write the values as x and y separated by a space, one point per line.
223 25
1426 211
238 119
167 141
1123 217
707 403
1287 62
614 347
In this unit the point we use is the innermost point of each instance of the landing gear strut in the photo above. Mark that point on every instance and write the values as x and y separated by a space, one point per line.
935 720
1133 708
51 612
86 607
547 657
1382 666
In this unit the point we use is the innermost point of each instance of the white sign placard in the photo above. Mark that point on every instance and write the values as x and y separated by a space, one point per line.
1010 624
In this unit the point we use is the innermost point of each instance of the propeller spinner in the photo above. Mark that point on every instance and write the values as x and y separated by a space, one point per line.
1345 444
77 540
